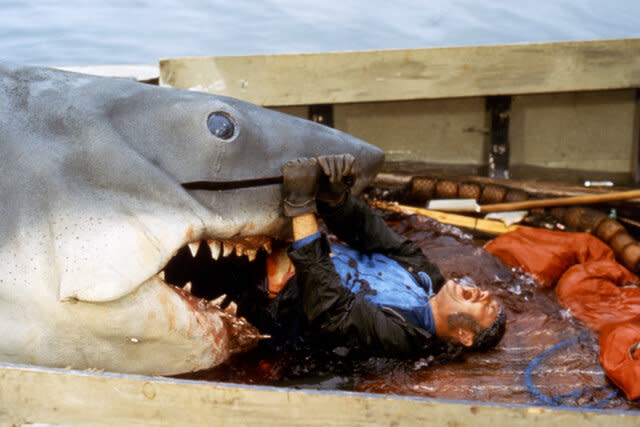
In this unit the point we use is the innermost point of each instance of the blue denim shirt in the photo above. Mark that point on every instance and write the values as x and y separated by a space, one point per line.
382 281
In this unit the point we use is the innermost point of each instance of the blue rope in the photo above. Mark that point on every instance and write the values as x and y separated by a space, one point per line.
558 399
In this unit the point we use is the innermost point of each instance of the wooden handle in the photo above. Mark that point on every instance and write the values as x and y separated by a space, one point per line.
561 201
484 225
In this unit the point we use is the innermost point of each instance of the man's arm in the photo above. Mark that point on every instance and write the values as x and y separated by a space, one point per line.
354 222
350 219
332 310
304 225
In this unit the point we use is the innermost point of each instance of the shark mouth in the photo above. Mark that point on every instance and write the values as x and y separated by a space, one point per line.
219 271
211 275
215 276
214 268
210 268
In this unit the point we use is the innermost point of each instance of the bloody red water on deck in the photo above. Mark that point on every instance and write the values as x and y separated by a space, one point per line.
536 323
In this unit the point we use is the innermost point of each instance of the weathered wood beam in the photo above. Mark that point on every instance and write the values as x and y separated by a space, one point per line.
407 74
31 394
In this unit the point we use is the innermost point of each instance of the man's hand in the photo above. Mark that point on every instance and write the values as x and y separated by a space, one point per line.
299 186
339 174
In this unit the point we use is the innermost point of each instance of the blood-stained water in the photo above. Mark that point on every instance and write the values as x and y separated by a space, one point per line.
536 323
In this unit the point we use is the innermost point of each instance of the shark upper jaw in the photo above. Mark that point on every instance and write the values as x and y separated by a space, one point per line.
200 254
210 267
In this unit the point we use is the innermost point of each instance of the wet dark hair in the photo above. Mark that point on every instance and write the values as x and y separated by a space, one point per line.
491 336
483 339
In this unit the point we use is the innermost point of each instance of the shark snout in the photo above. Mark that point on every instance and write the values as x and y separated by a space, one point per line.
369 160
309 139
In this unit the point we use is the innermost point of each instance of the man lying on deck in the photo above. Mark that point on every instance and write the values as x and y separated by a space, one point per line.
379 296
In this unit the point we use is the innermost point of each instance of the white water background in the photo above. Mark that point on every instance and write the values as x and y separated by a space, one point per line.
58 32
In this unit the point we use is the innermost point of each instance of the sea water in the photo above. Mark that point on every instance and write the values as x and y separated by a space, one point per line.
91 32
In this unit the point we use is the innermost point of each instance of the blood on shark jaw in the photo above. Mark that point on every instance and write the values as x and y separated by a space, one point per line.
190 333
240 335
209 274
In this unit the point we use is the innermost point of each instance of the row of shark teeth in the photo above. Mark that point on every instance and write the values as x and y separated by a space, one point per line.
231 310
245 336
248 247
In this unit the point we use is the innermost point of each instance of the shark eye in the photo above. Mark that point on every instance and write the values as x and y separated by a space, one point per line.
221 125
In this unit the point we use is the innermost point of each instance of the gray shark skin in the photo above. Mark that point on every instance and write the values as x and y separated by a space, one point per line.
92 208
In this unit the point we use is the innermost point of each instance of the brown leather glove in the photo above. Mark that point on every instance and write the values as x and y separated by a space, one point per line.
299 186
339 175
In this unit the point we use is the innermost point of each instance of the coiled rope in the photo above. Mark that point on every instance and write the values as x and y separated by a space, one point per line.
559 399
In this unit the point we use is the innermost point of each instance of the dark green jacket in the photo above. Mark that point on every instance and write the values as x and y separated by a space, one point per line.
335 314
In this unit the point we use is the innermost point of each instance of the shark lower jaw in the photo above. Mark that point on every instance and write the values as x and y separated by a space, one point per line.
209 274
239 335
196 292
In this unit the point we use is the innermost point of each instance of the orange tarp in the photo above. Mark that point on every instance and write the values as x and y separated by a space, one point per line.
589 283
619 358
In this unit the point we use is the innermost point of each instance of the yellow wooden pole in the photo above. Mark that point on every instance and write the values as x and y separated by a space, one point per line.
478 224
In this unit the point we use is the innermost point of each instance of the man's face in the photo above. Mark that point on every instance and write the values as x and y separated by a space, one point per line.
471 300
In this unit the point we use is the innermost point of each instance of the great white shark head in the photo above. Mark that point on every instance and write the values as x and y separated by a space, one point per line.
102 182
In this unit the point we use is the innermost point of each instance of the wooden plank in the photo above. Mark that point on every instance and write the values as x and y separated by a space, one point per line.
592 131
406 74
447 131
489 226
31 394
